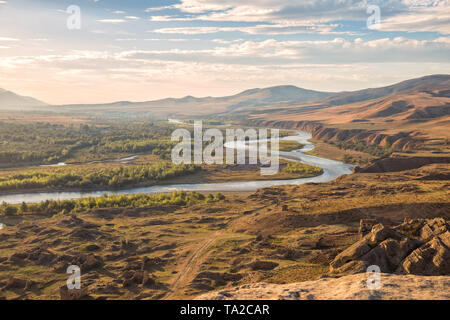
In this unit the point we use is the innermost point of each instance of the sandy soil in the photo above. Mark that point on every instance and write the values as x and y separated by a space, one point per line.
353 287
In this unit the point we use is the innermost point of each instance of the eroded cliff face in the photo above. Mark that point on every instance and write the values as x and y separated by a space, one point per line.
402 141
396 164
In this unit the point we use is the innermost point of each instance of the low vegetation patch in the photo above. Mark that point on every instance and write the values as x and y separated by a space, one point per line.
110 201
362 146
302 168
290 145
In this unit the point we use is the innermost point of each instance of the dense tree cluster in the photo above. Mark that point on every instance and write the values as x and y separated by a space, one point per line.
50 143
141 200
362 146
303 169
94 178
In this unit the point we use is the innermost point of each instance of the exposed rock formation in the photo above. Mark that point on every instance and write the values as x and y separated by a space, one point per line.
414 247
396 164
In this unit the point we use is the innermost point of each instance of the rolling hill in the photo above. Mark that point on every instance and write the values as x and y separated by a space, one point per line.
11 101
427 83
252 99
421 98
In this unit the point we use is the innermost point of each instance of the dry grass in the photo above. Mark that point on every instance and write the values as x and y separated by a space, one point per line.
224 237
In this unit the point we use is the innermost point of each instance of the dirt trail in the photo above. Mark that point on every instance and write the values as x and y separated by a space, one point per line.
191 265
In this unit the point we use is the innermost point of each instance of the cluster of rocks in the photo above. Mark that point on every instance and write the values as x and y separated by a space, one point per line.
136 272
44 257
419 246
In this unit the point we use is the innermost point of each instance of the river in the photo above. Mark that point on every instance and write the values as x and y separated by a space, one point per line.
331 170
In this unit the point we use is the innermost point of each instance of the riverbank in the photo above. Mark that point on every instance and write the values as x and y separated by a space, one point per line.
331 170
208 174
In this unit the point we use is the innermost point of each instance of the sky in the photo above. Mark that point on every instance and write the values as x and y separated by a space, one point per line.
96 51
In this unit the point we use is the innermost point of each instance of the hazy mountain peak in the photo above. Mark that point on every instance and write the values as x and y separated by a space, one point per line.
431 82
12 101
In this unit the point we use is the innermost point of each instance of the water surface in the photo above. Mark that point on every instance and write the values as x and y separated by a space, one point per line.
331 170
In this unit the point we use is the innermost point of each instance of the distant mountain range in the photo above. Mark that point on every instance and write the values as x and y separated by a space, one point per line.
434 82
191 106
11 101
273 100
424 98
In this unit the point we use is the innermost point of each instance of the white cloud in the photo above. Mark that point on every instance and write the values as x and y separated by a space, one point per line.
8 39
336 51
275 29
266 53
192 30
434 19
247 53
112 21
397 15
158 8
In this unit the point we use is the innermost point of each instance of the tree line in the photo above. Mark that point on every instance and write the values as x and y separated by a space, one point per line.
362 146
86 178
39 142
61 207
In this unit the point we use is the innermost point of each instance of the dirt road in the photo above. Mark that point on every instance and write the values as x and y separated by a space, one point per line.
191 265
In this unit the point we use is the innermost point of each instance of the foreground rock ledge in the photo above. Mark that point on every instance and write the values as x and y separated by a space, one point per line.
351 287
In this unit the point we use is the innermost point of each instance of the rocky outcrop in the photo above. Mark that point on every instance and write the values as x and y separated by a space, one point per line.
415 247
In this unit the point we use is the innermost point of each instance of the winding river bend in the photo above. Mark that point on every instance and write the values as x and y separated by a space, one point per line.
331 170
